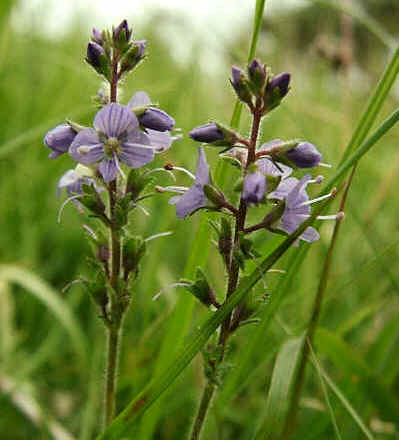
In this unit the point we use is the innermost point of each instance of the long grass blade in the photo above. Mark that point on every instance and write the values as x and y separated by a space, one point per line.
280 389
44 293
197 340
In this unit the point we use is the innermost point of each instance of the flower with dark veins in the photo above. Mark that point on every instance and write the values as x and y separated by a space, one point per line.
194 198
297 206
116 137
59 139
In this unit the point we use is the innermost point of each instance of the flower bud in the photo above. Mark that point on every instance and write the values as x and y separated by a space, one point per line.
200 288
156 119
121 35
214 196
241 86
304 155
133 56
59 139
207 133
276 89
257 76
254 188
98 59
97 36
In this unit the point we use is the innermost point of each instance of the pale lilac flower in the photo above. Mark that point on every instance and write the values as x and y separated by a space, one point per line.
59 139
297 206
254 188
267 167
116 137
72 180
195 197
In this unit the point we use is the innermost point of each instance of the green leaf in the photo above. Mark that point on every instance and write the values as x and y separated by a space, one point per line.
280 389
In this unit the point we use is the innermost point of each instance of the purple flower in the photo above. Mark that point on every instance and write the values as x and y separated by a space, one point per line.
97 36
304 155
152 118
59 139
122 28
195 197
297 210
141 44
156 119
254 188
236 75
282 81
207 133
267 167
95 54
116 138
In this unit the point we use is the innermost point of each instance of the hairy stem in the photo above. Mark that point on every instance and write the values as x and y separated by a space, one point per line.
115 314
202 410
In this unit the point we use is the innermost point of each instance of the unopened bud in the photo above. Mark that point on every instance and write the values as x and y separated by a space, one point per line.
304 155
133 56
98 59
257 76
241 86
276 89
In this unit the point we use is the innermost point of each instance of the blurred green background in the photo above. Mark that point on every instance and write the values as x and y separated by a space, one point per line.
335 61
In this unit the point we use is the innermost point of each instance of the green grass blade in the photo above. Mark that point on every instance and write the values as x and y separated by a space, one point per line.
51 300
345 402
198 339
368 118
346 360
280 389
325 393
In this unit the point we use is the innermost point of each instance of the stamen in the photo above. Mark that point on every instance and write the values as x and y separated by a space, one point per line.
318 180
160 169
338 216
172 189
171 286
78 196
145 212
325 165
161 234
185 171
119 167
90 231
318 199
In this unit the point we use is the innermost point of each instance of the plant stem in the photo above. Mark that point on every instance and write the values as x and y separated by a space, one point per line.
202 410
233 276
115 314
111 372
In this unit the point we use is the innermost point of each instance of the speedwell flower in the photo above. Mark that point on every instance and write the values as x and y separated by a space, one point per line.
194 198
59 139
116 137
254 188
297 206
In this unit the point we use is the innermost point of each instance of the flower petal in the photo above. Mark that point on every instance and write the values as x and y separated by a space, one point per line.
108 170
160 140
202 170
298 194
136 155
87 147
114 119
192 200
284 188
310 235
139 99
267 167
